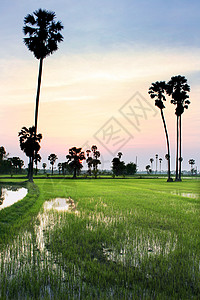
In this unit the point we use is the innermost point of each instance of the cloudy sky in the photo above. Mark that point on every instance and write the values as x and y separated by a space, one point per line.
95 87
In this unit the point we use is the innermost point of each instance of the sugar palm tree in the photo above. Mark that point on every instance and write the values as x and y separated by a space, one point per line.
52 158
156 162
59 168
177 88
37 159
192 163
156 91
75 158
151 161
44 165
30 145
160 160
43 38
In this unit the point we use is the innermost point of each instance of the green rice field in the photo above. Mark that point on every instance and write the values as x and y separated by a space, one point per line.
119 239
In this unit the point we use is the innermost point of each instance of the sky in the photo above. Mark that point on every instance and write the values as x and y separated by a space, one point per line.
95 87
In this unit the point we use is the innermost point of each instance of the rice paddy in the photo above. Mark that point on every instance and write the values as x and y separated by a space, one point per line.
104 239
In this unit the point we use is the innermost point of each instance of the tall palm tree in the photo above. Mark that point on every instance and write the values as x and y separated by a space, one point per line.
156 162
192 163
75 158
52 158
59 168
151 161
44 165
30 145
177 88
157 90
160 160
37 159
43 38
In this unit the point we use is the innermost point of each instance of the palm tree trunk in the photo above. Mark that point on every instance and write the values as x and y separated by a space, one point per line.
74 176
30 173
177 146
36 111
180 158
168 147
38 93
52 170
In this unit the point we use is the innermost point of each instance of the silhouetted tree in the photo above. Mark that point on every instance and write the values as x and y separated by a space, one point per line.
192 163
151 161
75 158
37 158
52 158
43 38
157 90
59 168
30 145
5 164
160 160
2 153
95 160
156 162
44 165
177 88
89 161
16 163
131 168
118 167
148 168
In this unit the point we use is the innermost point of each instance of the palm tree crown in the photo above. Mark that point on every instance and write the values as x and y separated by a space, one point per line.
157 90
43 31
177 87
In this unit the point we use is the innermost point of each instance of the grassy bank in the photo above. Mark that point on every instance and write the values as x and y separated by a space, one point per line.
20 214
126 239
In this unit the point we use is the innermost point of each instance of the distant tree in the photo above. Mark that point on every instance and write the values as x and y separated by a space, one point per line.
131 168
156 162
95 161
157 91
151 161
192 163
30 145
16 163
119 154
148 167
118 166
44 165
66 168
89 161
2 153
177 88
75 158
37 158
160 160
59 168
52 158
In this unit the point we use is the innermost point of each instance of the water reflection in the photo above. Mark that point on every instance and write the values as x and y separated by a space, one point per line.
11 194
188 195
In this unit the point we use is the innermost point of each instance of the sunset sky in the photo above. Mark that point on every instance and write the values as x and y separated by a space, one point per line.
111 53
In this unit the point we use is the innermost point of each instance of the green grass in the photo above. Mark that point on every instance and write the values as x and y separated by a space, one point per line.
128 239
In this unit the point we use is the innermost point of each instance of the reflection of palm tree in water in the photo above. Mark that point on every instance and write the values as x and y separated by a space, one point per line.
1 196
